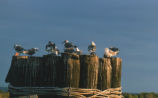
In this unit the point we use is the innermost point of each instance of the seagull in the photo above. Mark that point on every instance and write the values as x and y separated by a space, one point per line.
92 48
56 51
19 49
77 50
68 46
50 47
30 51
112 51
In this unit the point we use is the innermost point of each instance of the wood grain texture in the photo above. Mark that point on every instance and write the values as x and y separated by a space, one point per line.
89 71
104 75
24 71
48 70
69 70
116 64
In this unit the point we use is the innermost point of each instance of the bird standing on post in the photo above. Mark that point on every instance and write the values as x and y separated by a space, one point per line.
77 50
68 46
92 48
19 49
52 48
30 51
112 51
56 51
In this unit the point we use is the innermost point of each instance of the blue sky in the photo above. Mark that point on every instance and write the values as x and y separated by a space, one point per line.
131 25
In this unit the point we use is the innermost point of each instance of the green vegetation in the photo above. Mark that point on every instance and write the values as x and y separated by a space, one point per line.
140 95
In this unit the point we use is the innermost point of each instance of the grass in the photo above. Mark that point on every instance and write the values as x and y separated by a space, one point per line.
4 94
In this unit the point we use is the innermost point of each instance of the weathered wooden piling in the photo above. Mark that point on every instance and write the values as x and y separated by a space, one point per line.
32 71
69 70
89 71
24 71
48 70
12 78
116 64
104 75
69 75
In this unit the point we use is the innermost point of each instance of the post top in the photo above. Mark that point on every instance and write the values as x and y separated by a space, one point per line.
21 57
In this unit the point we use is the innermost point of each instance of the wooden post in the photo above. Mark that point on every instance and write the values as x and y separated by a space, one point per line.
116 64
24 71
48 70
89 71
16 72
32 71
104 75
63 76
69 70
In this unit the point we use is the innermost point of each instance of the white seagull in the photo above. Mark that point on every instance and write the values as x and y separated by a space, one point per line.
92 48
52 48
30 51
112 51
68 46
55 51
19 49
77 50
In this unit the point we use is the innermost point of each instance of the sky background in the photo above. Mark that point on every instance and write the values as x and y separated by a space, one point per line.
130 25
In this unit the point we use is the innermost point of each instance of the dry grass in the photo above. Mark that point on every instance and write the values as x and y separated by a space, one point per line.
4 95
